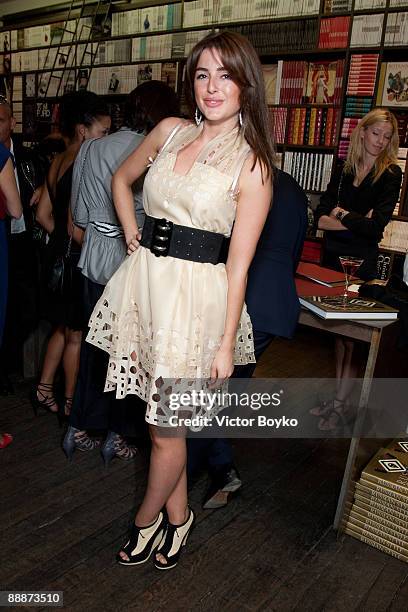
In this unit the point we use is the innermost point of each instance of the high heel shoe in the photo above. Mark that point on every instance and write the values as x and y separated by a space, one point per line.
77 439
142 542
116 446
46 399
174 539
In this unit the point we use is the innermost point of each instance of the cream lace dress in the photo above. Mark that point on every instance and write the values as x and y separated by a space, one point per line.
162 318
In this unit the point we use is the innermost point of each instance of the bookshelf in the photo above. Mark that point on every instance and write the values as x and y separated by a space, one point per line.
327 62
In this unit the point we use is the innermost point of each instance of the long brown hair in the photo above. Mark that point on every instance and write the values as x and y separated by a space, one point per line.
387 158
240 59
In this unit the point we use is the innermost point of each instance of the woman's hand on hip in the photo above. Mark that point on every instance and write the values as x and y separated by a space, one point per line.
133 242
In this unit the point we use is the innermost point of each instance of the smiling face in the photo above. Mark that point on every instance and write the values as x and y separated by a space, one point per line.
376 137
216 94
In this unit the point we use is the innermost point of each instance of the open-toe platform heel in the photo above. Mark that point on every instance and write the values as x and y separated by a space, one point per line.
46 399
174 540
142 542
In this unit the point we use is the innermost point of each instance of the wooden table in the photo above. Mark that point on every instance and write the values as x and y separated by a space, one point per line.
361 449
378 335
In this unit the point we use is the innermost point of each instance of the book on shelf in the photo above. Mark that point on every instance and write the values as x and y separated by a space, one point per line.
272 77
333 33
334 307
318 274
272 37
311 170
323 82
393 84
337 6
361 5
396 30
377 542
278 117
367 30
388 470
362 74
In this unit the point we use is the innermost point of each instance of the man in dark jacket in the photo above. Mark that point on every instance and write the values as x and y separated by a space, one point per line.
22 308
273 306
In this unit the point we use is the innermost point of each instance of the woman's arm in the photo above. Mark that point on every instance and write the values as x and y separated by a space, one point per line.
328 201
9 188
385 197
249 221
131 169
77 232
43 213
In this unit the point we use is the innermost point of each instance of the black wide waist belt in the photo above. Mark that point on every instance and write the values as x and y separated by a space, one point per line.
164 238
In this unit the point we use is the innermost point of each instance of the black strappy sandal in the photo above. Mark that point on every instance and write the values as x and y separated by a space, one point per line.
142 542
46 401
174 539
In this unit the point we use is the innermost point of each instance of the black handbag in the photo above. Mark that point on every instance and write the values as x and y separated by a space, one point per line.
61 273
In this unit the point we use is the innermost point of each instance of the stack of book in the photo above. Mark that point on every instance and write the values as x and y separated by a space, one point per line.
362 74
357 106
395 236
379 514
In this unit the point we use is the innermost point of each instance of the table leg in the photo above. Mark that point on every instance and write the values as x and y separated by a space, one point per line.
357 456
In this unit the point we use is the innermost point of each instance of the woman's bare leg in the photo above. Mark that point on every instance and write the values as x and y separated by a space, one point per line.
167 482
52 359
71 361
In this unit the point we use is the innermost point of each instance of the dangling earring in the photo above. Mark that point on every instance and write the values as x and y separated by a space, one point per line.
198 116
240 118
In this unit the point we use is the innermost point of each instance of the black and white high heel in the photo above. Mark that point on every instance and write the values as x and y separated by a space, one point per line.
173 541
142 542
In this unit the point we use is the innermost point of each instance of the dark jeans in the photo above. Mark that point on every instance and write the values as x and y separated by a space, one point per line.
92 408
216 453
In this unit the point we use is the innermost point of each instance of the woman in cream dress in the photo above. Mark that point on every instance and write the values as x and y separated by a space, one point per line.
176 317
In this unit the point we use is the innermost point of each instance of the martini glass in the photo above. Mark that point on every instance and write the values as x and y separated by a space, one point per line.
350 266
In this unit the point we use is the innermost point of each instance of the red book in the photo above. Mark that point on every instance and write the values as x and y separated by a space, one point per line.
320 275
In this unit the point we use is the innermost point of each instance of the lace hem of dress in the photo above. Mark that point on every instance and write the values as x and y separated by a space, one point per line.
141 358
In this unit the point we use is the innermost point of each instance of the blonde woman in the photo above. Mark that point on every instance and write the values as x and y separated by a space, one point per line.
354 211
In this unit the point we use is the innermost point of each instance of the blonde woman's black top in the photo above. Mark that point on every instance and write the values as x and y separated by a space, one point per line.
363 234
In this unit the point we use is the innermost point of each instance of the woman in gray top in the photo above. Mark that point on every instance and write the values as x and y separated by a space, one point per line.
103 250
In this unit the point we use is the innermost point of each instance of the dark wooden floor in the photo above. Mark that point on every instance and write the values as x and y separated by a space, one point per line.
271 548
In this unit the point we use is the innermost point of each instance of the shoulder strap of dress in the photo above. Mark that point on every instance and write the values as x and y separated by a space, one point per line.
171 136
240 164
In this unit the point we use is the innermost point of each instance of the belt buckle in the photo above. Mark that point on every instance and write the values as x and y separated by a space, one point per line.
162 232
